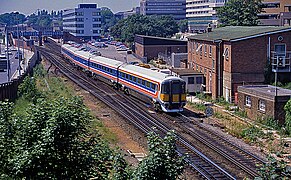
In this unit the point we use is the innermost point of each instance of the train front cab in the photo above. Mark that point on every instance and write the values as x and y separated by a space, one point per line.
173 95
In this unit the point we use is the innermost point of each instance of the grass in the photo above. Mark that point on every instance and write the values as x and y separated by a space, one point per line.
21 106
198 106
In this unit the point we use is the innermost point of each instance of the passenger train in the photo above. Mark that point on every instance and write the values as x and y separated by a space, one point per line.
166 92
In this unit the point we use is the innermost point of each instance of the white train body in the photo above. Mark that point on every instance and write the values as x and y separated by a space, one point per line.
167 92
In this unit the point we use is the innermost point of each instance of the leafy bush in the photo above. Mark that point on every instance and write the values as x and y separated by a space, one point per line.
274 169
251 133
28 89
240 113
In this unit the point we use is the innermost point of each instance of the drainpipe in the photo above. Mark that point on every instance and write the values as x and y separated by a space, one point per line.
218 44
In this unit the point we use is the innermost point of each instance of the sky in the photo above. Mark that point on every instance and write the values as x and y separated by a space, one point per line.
30 6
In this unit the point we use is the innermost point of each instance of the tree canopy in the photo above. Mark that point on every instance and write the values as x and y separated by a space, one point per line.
12 18
240 13
161 26
107 19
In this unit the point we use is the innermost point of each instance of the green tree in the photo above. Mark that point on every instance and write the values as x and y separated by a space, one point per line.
287 109
162 26
107 19
12 18
52 142
183 25
162 162
240 13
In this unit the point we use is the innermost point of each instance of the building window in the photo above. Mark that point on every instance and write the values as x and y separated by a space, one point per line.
80 19
190 80
213 64
199 80
95 13
210 51
262 105
79 14
96 19
248 101
96 31
96 25
197 67
199 48
80 25
205 50
280 49
226 53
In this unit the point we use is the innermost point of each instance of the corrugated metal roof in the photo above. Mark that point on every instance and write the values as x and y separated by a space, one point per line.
231 33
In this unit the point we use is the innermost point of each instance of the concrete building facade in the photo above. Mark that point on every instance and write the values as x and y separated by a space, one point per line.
175 8
263 101
201 14
232 56
276 13
83 22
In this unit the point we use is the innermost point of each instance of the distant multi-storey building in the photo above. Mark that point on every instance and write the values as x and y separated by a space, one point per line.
276 13
175 8
202 13
83 22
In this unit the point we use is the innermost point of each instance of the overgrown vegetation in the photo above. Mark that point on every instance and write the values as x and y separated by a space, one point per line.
274 169
55 139
252 133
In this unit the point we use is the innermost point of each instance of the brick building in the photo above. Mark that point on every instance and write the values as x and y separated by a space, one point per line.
275 13
232 56
263 101
149 47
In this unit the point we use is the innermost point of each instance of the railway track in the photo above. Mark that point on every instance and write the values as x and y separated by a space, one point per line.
144 121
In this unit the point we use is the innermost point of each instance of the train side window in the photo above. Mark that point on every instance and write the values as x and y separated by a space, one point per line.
123 75
126 76
143 82
138 80
153 86
148 84
130 77
134 79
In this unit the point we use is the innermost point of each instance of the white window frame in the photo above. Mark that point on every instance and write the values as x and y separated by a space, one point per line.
262 105
210 50
226 53
248 101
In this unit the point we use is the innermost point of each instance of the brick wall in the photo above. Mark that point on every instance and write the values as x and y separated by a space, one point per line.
274 108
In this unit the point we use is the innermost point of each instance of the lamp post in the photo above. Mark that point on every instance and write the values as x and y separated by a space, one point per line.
22 43
18 50
8 62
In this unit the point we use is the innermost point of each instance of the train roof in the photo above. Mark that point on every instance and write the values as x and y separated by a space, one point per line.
144 72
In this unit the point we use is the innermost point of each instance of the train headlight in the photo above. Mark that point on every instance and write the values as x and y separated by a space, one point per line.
164 97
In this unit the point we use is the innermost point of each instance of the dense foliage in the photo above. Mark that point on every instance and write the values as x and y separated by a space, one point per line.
161 26
107 19
287 109
54 139
162 162
240 13
12 18
274 169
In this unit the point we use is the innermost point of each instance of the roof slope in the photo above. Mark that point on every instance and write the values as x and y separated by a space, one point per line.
232 33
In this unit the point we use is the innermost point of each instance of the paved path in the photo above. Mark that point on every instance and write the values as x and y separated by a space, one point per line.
14 64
